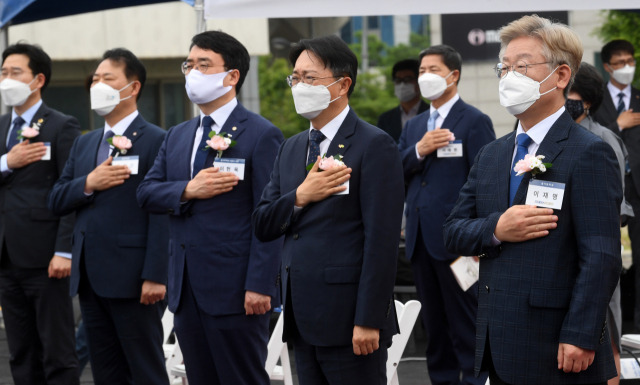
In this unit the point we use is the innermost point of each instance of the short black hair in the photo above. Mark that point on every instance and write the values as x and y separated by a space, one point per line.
407 64
450 57
616 46
334 53
234 54
39 61
589 85
133 67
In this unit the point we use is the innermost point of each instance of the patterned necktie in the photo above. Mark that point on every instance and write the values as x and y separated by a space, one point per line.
431 123
315 138
620 102
18 122
103 150
523 149
202 152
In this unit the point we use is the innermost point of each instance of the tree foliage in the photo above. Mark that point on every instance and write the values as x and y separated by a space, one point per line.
622 25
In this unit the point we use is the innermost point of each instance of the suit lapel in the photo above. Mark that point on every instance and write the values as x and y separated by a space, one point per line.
133 132
5 125
340 143
505 161
635 100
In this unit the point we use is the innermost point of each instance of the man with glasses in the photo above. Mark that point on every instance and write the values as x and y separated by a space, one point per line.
35 257
208 176
438 148
340 221
405 86
547 230
620 112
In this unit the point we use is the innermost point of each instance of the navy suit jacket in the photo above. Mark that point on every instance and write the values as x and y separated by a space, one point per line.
339 254
550 290
120 244
434 183
29 230
212 238
391 121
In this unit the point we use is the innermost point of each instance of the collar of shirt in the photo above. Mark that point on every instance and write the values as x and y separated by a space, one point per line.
443 110
120 127
219 117
329 130
537 132
28 115
614 91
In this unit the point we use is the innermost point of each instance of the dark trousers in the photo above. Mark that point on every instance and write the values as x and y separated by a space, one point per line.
124 338
634 236
38 318
221 350
449 316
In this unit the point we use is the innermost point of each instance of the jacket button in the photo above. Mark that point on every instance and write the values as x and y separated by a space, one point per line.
286 269
170 211
424 184
487 288
296 236
182 246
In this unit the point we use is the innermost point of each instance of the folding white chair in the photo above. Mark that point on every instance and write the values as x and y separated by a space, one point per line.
407 315
172 352
278 349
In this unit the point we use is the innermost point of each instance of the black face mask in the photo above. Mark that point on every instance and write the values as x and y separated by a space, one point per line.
575 108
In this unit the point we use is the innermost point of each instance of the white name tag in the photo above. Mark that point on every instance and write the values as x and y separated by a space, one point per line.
47 155
345 192
452 150
545 194
235 166
129 161
466 270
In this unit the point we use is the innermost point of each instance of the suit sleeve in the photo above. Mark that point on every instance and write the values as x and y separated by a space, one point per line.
381 203
480 134
273 215
264 258
464 232
158 195
67 194
595 197
410 162
66 138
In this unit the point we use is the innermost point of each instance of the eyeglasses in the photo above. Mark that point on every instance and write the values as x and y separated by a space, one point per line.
405 80
292 80
186 67
519 69
620 63
13 73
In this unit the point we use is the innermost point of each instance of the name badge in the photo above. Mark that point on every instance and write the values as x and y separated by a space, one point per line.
235 166
129 161
452 150
47 155
545 194
345 192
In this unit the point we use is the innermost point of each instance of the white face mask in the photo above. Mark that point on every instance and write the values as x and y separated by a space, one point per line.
203 89
518 93
405 91
310 100
624 75
105 98
14 92
432 86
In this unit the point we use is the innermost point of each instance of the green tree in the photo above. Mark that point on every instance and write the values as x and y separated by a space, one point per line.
622 25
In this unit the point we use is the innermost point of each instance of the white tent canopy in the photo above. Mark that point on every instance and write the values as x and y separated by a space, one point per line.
218 9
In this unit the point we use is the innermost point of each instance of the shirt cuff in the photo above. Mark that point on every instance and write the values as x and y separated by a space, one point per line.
63 255
495 241
4 168
418 154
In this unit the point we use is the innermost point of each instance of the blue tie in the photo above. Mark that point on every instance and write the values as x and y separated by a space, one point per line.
13 135
103 150
522 149
202 152
315 138
431 123
620 102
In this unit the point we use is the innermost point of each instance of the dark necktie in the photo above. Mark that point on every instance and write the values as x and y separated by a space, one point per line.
103 150
315 138
18 122
620 107
522 149
202 152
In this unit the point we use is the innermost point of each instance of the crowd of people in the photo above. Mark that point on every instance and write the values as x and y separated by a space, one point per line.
220 220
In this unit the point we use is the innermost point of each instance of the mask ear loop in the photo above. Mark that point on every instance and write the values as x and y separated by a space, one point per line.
331 101
545 79
124 88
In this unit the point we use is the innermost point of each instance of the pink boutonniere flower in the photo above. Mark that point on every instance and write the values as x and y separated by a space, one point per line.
121 142
327 163
532 164
31 132
220 142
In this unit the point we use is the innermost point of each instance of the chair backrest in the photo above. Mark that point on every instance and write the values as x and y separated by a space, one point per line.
407 315
275 345
167 325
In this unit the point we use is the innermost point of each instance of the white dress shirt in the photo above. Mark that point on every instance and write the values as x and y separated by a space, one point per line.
443 111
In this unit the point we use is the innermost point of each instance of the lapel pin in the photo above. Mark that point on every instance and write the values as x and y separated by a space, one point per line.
135 133
234 128
341 146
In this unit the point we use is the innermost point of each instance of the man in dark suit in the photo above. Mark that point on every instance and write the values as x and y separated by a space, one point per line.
549 245
434 181
341 225
620 112
405 79
119 251
35 258
223 282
